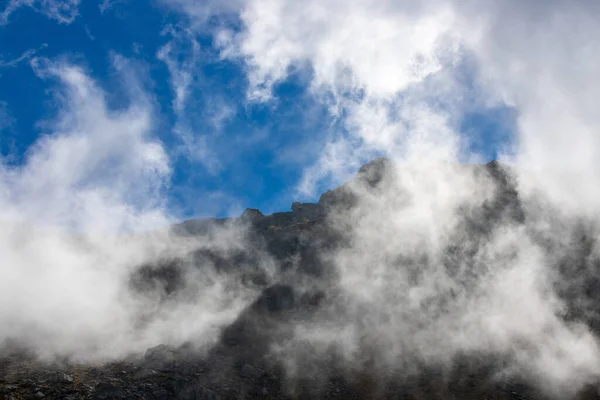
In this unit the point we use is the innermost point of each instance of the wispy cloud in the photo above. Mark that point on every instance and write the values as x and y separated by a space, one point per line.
6 120
202 12
200 114
182 73
26 56
86 208
106 5
63 11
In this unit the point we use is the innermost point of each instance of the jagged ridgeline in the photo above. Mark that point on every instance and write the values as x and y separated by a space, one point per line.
400 284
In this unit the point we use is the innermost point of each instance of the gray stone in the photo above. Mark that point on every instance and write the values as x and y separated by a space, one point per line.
197 392
61 377
160 356
251 215
144 374
250 372
307 210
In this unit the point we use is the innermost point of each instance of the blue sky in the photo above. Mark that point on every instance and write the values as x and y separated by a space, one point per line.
226 150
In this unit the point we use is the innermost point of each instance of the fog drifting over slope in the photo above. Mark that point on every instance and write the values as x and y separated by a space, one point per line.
389 71
84 210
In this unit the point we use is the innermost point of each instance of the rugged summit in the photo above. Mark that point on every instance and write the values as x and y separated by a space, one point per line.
261 353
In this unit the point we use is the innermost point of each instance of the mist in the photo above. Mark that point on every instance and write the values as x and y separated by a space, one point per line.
425 256
81 215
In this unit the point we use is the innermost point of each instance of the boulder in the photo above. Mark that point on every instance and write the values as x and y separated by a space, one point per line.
160 357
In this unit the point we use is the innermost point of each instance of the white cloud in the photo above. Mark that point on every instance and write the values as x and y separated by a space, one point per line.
383 68
366 54
545 68
26 56
183 72
90 152
63 11
201 11
363 56
84 209
95 174
337 39
109 4
200 113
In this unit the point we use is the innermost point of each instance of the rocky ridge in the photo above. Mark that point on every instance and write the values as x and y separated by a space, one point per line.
239 366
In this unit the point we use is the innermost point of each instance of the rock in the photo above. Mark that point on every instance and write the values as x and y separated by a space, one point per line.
61 377
375 170
231 366
197 392
369 176
340 198
278 220
251 215
250 372
144 374
108 391
200 226
161 393
307 210
160 357
276 298
165 277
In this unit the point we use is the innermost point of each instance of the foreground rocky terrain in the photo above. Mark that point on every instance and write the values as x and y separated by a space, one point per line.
241 364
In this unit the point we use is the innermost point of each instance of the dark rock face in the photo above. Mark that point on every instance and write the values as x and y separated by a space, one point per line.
276 298
164 278
251 215
241 365
370 175
308 211
160 357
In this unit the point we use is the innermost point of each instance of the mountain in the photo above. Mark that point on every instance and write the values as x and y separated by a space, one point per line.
400 284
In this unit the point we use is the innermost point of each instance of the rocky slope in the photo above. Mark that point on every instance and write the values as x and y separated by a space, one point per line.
303 289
